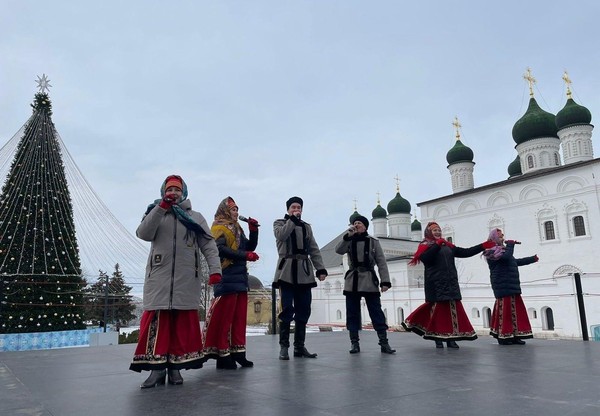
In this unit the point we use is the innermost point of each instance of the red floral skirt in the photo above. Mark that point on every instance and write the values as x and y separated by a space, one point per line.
168 339
226 325
509 319
441 321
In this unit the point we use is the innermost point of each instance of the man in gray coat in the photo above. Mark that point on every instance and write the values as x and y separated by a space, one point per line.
364 252
298 253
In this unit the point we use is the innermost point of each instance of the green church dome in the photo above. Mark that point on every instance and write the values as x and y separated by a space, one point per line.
535 123
514 169
398 205
572 114
459 153
415 226
353 217
379 212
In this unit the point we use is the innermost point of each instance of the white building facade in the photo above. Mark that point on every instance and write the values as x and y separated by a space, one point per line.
552 208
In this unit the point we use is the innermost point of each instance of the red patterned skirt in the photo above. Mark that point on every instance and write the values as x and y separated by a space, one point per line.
225 331
442 321
509 319
168 339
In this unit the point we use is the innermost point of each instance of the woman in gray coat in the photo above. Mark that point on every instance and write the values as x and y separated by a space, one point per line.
361 281
170 337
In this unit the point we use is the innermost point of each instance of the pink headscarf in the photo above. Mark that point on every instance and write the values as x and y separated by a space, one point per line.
494 253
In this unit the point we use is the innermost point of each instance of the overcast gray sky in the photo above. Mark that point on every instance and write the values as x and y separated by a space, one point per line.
262 100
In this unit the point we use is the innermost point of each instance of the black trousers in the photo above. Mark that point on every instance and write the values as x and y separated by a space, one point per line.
295 303
373 301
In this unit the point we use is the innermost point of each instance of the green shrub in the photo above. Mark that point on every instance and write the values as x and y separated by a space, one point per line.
131 338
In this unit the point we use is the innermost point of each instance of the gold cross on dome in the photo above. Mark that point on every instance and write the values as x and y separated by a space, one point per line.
355 204
530 79
568 82
457 127
397 178
378 198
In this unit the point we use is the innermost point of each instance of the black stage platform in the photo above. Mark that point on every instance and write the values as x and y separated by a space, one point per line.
545 377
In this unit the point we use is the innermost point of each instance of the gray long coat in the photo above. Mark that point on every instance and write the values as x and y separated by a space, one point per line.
303 272
173 268
363 279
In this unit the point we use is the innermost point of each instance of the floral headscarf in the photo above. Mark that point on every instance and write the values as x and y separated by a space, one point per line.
223 217
494 253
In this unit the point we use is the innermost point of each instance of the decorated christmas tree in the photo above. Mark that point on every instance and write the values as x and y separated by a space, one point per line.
41 280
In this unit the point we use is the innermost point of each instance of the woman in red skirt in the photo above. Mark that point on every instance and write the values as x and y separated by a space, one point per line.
510 323
170 337
225 335
442 316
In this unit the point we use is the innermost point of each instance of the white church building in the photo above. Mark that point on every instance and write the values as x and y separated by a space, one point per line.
549 203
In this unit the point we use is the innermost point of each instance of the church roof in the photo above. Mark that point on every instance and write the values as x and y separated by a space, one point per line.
525 177
535 123
514 168
572 114
379 212
459 153
353 217
399 205
255 283
416 225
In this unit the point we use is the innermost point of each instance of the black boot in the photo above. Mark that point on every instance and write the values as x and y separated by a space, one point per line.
452 344
175 377
518 341
240 358
439 344
505 341
284 340
354 341
299 338
157 377
226 363
383 341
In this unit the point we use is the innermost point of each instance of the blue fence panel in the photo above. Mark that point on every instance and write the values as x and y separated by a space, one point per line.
47 340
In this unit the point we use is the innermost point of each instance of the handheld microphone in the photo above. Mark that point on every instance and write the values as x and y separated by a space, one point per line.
242 218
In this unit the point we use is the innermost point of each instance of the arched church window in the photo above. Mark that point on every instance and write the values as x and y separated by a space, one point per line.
449 239
400 315
530 161
475 313
338 314
556 159
549 230
547 319
578 226
487 317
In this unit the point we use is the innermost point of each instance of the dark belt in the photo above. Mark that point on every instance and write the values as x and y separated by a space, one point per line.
297 256
362 269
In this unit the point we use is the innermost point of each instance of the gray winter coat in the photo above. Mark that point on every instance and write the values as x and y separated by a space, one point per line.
173 269
364 252
298 252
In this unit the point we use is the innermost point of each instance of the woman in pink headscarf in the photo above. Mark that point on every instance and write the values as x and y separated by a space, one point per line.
510 323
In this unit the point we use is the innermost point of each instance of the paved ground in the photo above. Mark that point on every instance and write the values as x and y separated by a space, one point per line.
482 378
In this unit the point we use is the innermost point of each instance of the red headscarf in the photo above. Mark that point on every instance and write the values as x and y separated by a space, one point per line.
427 242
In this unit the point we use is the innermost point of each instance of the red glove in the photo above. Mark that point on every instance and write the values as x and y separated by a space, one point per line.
251 256
253 224
536 258
440 241
513 242
167 201
214 278
488 244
